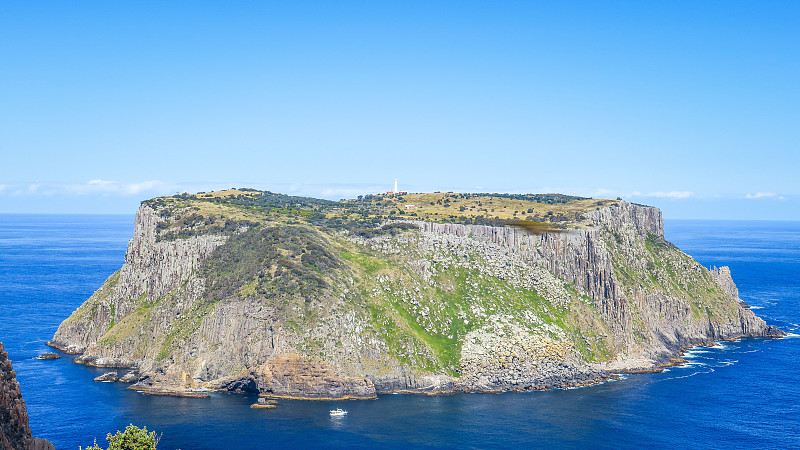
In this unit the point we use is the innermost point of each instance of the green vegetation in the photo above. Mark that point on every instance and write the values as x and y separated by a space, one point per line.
128 326
133 438
182 329
424 323
370 264
227 212
285 259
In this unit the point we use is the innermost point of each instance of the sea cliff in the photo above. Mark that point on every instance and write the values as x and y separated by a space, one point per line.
292 297
15 433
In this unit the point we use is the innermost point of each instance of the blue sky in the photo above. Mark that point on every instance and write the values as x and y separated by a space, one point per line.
689 106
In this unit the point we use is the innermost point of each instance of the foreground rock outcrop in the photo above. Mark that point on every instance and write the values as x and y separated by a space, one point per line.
14 430
303 298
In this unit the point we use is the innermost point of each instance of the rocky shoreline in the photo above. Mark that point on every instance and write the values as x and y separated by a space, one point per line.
172 386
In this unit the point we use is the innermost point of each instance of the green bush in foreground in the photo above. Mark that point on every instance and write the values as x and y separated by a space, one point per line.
134 438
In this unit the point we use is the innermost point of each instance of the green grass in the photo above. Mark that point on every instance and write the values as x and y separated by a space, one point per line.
369 264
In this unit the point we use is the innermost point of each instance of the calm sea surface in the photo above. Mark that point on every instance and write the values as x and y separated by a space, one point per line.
743 394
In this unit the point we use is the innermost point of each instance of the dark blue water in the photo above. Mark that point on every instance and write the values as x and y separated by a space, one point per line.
743 394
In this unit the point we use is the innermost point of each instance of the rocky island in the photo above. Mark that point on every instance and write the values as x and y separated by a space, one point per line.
295 297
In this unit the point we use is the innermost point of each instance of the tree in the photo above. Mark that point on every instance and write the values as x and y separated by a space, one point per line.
133 438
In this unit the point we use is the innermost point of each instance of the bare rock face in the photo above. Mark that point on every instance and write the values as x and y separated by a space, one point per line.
515 359
107 377
15 432
13 415
293 376
171 384
129 377
152 269
722 275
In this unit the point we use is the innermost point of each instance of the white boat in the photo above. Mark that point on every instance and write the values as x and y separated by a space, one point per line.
338 412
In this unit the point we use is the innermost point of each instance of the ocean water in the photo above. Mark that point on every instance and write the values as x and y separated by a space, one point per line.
743 394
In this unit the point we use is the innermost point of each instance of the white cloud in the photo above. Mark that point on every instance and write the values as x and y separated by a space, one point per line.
340 192
153 188
135 188
100 183
761 195
602 192
662 194
343 191
92 187
100 186
331 191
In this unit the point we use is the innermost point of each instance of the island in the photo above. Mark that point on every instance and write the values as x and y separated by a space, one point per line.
297 297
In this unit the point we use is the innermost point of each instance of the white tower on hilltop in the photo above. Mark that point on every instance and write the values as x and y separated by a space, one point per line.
395 185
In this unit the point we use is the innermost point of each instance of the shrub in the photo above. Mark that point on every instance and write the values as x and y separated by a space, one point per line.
133 438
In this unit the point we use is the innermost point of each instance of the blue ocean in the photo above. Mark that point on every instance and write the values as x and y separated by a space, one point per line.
743 394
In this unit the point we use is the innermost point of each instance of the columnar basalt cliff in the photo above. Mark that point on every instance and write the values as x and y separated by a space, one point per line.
14 430
251 291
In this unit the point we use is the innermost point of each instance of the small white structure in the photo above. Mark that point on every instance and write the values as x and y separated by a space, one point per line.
411 206
395 186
